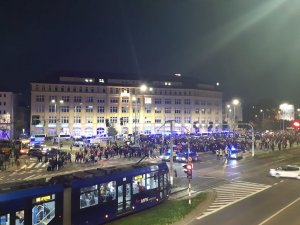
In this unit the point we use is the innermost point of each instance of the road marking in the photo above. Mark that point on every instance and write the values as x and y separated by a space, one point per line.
31 165
266 220
38 165
228 194
27 178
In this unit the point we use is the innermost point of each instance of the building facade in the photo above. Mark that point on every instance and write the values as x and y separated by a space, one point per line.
8 103
88 106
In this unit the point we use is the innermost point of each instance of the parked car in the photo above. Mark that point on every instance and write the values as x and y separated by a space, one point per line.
35 152
166 156
183 157
290 171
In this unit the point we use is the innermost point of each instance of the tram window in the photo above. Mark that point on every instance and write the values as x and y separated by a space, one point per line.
19 218
138 183
4 219
88 196
43 213
152 181
108 191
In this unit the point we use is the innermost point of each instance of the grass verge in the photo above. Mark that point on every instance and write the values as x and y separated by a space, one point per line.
168 212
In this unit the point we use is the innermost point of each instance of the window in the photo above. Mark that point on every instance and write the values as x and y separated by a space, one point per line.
52 119
197 102
148 109
114 100
107 192
167 110
125 120
77 98
100 100
52 98
168 101
177 111
137 120
65 108
39 98
157 110
187 119
125 109
89 108
51 108
114 109
187 111
113 119
65 98
100 109
89 119
157 120
187 101
5 219
125 100
144 182
89 196
78 108
43 210
177 101
39 108
203 102
89 99
177 119
100 119
64 119
77 119
135 110
157 101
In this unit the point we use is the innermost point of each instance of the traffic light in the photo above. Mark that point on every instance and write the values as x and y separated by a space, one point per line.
188 169
107 123
121 121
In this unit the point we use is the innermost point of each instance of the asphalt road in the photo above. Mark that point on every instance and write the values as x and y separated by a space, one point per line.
246 194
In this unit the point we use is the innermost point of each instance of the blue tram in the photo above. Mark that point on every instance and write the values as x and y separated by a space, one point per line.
89 197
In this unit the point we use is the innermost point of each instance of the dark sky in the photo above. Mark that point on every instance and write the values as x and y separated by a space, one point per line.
252 47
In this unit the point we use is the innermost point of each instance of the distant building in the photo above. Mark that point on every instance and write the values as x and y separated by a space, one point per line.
87 106
8 102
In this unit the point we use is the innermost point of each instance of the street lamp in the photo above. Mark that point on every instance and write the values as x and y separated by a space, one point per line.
134 99
57 120
235 102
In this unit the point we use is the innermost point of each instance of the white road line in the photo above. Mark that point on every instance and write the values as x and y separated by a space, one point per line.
31 165
27 178
38 165
237 192
23 167
266 220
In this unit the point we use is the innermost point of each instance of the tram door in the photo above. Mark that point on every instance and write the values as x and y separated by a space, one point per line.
124 197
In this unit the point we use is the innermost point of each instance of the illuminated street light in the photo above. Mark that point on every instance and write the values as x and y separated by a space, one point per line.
143 88
235 102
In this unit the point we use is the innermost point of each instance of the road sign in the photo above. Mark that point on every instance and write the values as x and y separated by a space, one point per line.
190 159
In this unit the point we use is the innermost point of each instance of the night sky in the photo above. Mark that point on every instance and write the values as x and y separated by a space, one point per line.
252 47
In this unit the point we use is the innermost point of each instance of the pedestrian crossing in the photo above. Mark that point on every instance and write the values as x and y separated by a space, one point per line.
228 194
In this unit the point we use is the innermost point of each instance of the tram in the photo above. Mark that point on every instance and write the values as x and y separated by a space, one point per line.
89 197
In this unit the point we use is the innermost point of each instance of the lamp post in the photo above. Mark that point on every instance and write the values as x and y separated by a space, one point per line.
134 98
57 120
235 102
263 118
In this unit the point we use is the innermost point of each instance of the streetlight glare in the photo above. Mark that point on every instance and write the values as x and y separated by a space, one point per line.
143 87
235 101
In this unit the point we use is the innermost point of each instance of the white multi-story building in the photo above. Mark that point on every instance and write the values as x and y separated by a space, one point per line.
87 106
7 114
